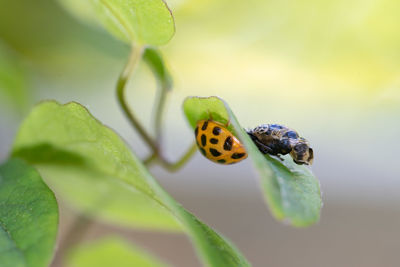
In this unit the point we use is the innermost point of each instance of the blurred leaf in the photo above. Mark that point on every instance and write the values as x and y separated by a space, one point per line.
145 22
291 190
79 144
110 251
80 158
13 82
28 217
58 47
155 61
98 194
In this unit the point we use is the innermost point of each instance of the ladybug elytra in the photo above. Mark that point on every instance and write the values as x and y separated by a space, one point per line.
217 143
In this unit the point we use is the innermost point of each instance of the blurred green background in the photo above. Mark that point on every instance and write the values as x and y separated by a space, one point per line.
329 69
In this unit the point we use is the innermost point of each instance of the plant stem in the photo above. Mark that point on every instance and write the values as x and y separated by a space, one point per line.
162 97
176 165
164 86
134 58
150 159
181 162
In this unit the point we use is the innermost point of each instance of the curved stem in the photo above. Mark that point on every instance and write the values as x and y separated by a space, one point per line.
150 159
176 165
182 161
134 58
162 97
164 82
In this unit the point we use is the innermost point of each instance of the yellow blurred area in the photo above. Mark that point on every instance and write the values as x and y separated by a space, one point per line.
297 49
352 42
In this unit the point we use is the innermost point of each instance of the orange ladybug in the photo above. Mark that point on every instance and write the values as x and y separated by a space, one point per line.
217 143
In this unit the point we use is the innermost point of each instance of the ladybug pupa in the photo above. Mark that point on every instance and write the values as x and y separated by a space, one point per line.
276 140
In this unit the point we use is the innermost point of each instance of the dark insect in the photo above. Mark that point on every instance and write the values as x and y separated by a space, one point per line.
276 140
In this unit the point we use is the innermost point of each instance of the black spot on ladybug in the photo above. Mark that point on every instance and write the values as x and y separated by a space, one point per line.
214 141
215 152
203 140
216 130
238 155
221 161
204 125
228 143
196 131
203 151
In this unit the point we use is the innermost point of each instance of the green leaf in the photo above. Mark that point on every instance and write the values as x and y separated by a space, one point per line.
28 217
110 251
291 191
80 159
143 21
67 144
